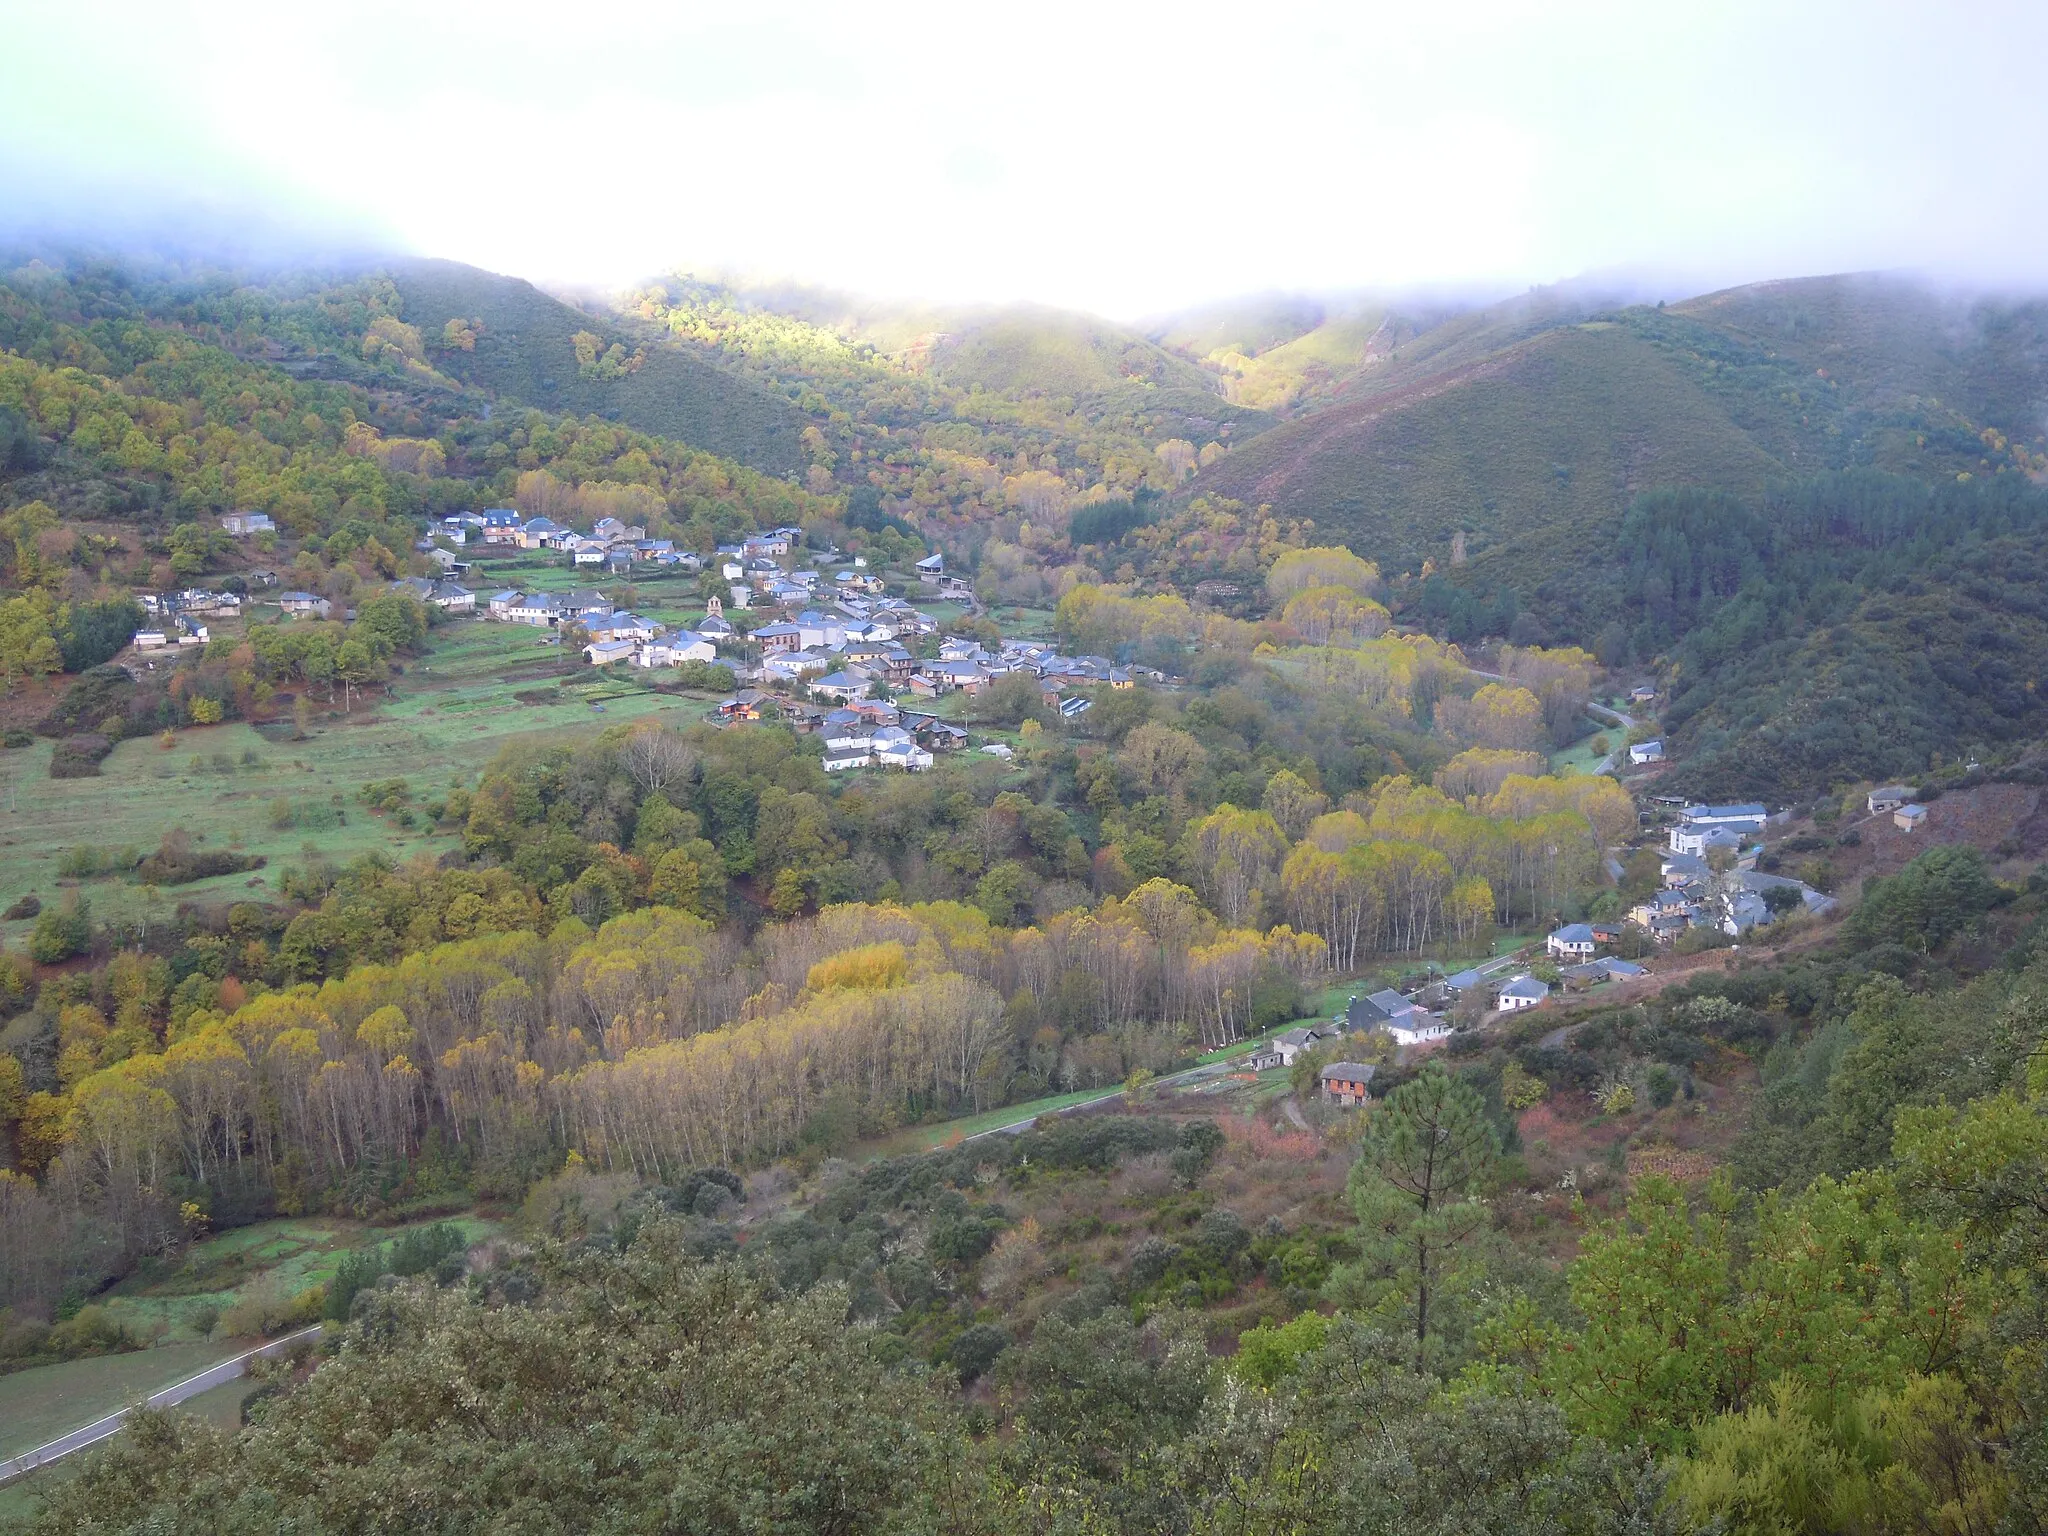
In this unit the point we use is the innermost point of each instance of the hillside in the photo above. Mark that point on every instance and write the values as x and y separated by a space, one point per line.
525 351
1042 351
1531 449
1530 426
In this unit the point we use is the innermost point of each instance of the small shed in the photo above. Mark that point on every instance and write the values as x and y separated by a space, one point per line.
1908 818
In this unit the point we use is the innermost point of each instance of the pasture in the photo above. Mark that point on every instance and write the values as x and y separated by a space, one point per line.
479 688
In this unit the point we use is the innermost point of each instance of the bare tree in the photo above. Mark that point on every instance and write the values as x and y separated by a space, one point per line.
657 757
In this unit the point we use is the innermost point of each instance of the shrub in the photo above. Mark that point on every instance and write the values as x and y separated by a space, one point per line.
1663 1085
61 933
1269 1352
976 1349
266 1309
28 906
79 757
177 862
385 794
421 1251
88 1331
358 1271
16 738
1200 1141
86 861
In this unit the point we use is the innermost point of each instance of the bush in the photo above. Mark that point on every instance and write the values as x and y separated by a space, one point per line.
976 1349
358 1271
86 861
177 862
709 676
266 1310
88 1331
421 1251
1663 1085
79 757
61 933
16 739
1199 1144
28 906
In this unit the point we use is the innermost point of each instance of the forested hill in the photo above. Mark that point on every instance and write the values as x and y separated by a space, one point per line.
1528 428
154 396
533 349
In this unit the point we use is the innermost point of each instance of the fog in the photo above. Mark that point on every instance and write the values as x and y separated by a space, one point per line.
1125 159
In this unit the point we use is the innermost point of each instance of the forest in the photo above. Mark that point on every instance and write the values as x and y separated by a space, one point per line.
700 1031
1840 1330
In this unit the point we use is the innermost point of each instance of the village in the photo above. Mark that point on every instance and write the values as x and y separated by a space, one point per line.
1709 886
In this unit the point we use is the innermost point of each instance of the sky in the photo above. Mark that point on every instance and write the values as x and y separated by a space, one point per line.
1124 158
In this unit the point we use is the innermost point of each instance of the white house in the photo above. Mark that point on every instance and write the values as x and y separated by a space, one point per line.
619 626
1736 818
844 686
602 652
1646 752
1889 798
309 603
502 603
673 650
1700 841
1522 992
1419 1028
1574 941
907 755
844 759
242 524
151 639
540 609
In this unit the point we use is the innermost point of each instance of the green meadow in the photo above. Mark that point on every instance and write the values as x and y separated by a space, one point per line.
479 688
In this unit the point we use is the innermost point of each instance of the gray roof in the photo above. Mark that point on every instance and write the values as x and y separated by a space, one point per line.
1526 986
1349 1071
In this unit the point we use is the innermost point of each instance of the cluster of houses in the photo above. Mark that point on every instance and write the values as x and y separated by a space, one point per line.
1710 879
614 634
611 544
1907 815
178 618
840 657
864 733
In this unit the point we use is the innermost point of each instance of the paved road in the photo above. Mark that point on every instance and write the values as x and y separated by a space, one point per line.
1613 716
1173 1080
191 1386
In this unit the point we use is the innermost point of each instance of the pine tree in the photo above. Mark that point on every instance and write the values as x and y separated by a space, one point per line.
1422 1165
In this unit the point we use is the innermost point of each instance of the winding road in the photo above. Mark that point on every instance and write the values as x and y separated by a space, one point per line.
101 1429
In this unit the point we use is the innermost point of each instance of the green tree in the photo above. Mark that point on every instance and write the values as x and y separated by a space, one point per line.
391 623
357 666
1423 1165
641 1391
28 637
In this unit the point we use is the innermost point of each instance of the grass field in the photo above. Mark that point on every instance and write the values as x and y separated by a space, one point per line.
219 1406
453 711
286 1255
289 1254
37 1406
1580 757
